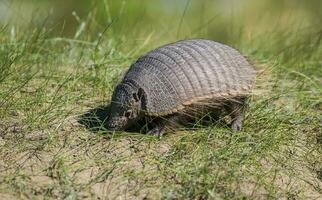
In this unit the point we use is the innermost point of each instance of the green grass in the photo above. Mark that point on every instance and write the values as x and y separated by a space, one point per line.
48 81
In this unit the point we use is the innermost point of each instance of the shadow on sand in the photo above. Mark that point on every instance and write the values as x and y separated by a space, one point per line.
94 119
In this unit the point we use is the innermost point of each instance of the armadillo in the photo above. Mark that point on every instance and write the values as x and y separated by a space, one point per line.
178 80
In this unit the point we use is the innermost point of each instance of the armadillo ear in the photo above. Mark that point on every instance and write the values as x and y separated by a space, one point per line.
139 95
136 97
142 96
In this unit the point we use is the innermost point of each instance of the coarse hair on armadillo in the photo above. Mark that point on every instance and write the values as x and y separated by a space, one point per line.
178 75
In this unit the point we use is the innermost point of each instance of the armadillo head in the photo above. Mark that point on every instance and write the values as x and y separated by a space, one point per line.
125 107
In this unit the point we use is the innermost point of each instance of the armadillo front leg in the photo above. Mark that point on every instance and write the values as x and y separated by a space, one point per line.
237 120
164 125
237 114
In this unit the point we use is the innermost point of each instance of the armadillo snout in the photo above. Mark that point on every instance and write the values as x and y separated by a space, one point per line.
117 123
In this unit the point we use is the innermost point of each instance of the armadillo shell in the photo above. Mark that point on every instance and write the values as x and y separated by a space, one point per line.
182 73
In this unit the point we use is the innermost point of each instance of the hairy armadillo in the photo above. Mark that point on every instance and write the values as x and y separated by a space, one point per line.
177 80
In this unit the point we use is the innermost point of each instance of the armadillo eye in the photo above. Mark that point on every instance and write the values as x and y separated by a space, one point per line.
128 113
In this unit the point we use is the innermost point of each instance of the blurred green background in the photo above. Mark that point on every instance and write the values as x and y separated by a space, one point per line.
290 30
223 20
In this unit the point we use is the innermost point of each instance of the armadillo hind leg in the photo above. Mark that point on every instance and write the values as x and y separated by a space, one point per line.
236 112
237 121
164 125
